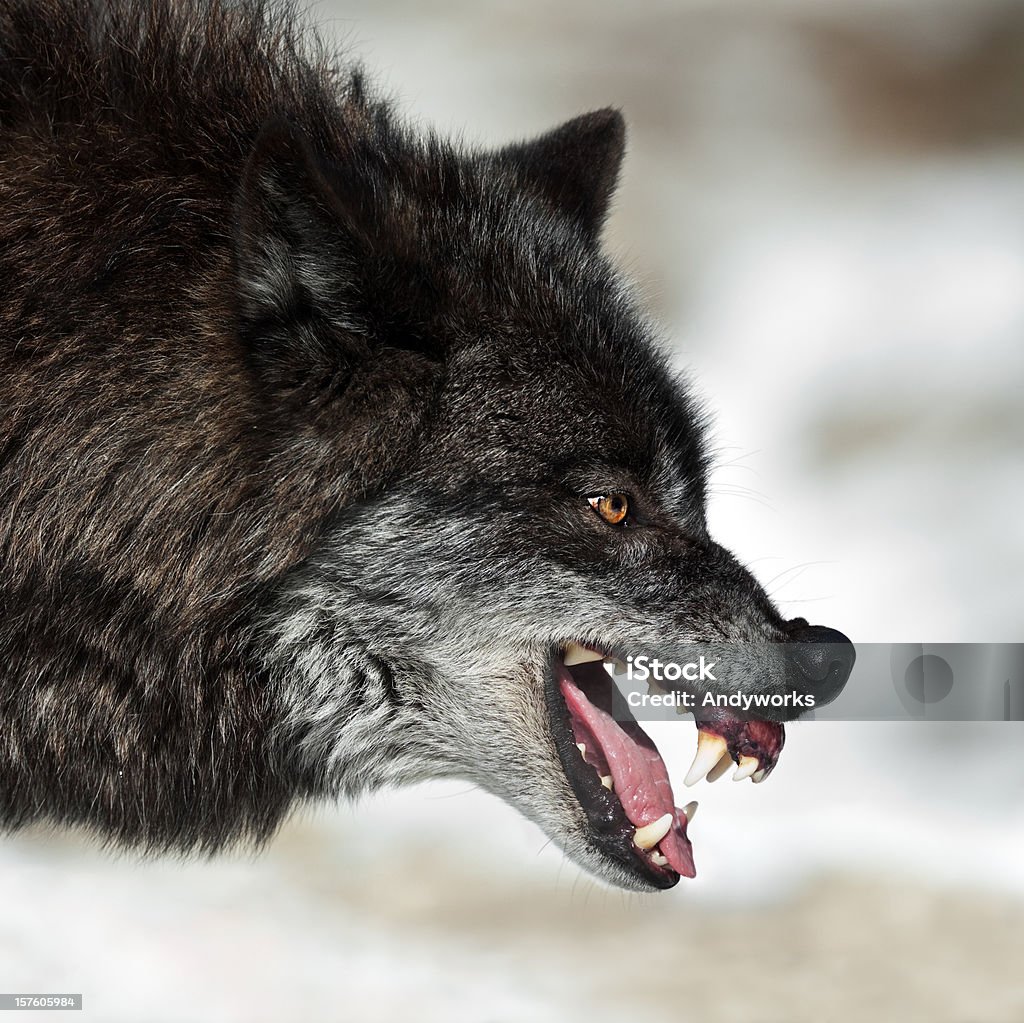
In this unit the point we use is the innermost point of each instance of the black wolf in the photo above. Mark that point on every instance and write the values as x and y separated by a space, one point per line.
331 454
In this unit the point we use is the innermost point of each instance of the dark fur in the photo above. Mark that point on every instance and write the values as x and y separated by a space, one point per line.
152 486
275 373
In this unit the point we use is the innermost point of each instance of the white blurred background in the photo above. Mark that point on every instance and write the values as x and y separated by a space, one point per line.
824 203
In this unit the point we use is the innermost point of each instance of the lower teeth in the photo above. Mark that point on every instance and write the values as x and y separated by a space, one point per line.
650 835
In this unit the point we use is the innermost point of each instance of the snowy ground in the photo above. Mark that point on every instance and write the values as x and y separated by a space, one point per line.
842 267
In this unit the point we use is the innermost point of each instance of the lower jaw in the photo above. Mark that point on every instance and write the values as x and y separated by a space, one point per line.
610 830
617 866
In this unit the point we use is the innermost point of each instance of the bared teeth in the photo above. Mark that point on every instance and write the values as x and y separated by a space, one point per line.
650 835
759 776
720 768
576 654
710 749
606 781
747 766
582 747
690 811
658 859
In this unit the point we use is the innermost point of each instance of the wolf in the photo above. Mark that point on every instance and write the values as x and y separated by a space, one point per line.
334 455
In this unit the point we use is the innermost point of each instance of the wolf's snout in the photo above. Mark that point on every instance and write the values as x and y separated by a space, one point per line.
821 660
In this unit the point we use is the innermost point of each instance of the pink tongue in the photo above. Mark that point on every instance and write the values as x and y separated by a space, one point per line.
639 776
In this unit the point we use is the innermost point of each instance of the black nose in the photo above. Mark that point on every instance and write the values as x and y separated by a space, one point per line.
822 658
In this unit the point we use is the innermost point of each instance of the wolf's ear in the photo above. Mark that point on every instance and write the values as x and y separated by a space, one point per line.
298 248
575 166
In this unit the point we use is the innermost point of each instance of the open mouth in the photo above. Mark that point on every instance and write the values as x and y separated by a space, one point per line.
620 778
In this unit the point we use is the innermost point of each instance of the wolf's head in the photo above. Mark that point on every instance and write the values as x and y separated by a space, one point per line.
527 496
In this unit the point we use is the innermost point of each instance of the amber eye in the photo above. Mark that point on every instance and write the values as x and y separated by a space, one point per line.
613 508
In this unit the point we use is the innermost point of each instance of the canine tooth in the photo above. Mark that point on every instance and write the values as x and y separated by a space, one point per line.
748 765
576 654
690 810
720 768
759 776
582 747
606 781
710 749
650 835
657 858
